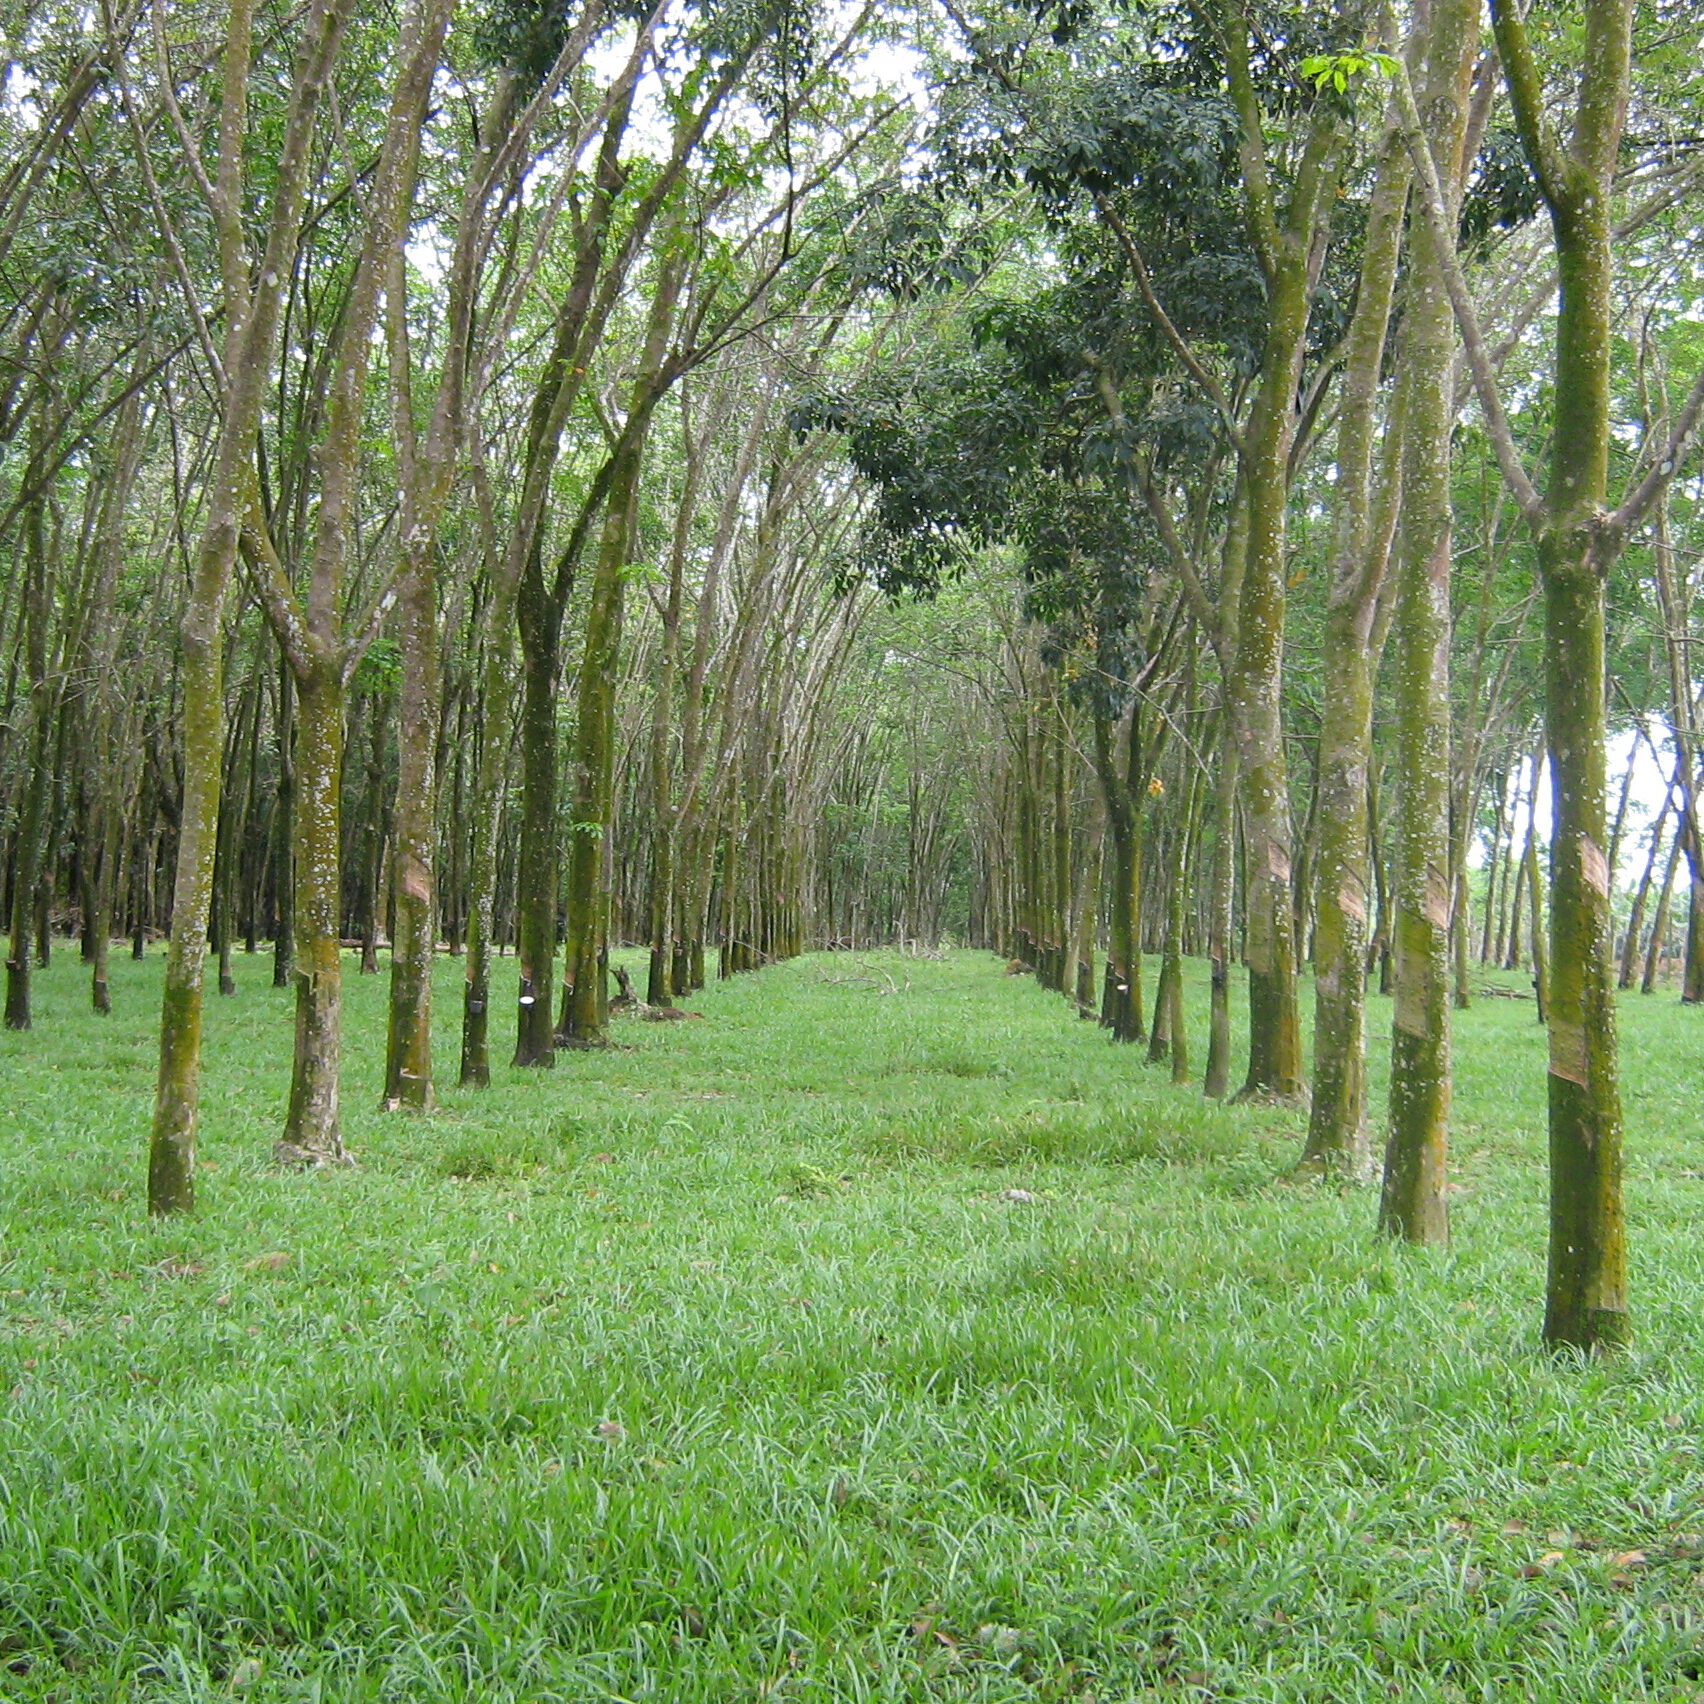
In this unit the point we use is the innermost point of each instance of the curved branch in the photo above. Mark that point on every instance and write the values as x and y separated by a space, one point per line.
1163 320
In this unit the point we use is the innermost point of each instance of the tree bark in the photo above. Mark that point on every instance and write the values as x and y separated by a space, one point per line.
1586 1293
1338 1137
312 1125
1413 1204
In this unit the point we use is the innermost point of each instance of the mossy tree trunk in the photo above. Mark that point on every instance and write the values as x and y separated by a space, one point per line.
536 898
373 831
427 467
662 982
1120 1008
29 840
1586 1293
283 814
252 304
1364 513
1216 1079
1287 234
1413 1204
408 1032
585 1010
485 809
586 952
311 628
312 1124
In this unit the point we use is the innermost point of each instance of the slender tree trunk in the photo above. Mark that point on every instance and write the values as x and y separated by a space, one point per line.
110 826
482 863
1338 1136
36 786
1461 928
1494 870
1535 912
1083 946
535 1043
373 834
1120 1011
1511 958
408 1036
586 953
1413 1203
1217 1082
26 867
283 814
1641 896
1586 1292
312 1126
1172 964
429 470
1660 924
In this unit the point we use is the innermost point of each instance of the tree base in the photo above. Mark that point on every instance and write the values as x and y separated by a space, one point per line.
1355 1171
1595 1331
297 1158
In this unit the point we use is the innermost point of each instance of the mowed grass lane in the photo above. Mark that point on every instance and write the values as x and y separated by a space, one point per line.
726 1365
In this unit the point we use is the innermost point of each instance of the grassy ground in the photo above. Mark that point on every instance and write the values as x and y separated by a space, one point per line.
723 1367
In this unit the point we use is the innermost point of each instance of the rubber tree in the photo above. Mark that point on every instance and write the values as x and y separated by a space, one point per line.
321 645
585 986
1413 1204
1578 539
30 837
1288 231
427 465
603 255
1364 507
251 296
1287 217
512 552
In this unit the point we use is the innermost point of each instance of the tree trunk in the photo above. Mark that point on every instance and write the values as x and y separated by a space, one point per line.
1413 1204
536 900
373 833
1535 912
1660 923
312 1126
1120 1009
1338 1137
586 952
486 808
408 1035
26 865
1641 896
1217 1081
283 815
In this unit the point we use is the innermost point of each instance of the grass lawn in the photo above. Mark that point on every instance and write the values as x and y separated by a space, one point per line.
722 1366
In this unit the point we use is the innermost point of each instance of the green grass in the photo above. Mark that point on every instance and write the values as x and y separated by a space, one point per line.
720 1367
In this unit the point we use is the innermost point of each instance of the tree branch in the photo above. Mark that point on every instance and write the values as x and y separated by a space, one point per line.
1144 283
1526 93
1479 363
1637 504
272 586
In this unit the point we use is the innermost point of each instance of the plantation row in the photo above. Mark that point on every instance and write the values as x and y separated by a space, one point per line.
1216 480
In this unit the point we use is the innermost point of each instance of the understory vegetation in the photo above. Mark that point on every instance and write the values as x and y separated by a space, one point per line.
881 1332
